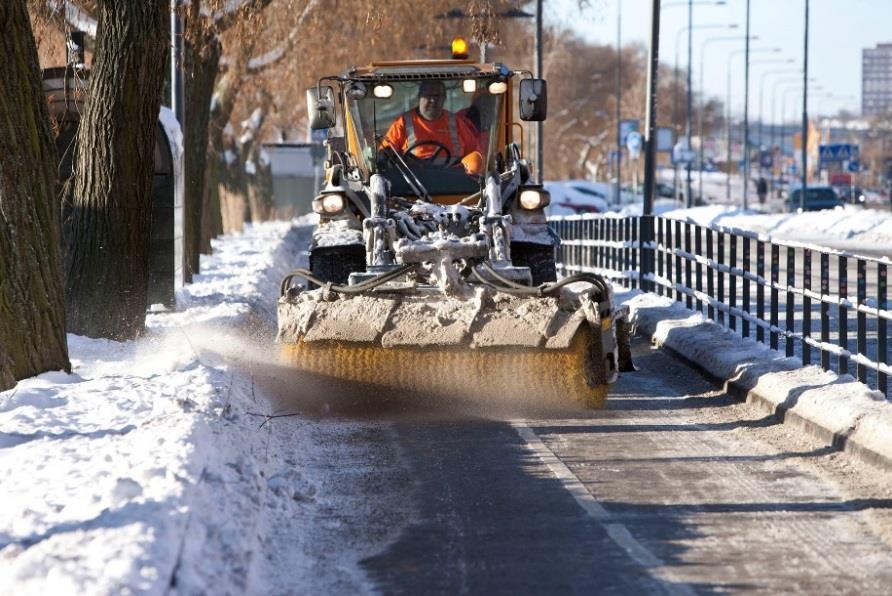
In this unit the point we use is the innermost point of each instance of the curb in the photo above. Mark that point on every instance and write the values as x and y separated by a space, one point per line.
837 410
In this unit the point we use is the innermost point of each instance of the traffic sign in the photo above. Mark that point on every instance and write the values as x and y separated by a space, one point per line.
854 166
681 153
634 141
838 152
626 127
665 135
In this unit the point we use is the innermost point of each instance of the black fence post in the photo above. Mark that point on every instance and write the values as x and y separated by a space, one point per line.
634 227
842 318
688 269
732 283
675 246
882 329
746 286
721 275
806 306
710 275
667 251
661 246
775 278
791 300
861 341
698 250
825 310
760 290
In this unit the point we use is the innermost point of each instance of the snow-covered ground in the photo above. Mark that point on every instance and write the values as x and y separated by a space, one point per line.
848 226
148 453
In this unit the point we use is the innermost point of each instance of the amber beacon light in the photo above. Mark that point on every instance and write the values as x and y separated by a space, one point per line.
459 48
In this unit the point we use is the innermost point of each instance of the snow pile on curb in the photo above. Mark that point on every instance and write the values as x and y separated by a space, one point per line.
836 409
843 224
106 472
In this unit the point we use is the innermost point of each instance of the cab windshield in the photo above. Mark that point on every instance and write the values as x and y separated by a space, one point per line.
434 126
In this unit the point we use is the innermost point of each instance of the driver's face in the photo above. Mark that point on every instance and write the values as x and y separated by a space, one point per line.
430 100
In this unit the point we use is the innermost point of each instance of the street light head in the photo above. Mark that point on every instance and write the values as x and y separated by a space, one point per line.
733 26
776 51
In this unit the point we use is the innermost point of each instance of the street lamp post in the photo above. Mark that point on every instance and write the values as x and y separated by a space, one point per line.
731 57
796 88
678 37
764 76
540 150
804 114
774 89
702 93
746 110
650 156
619 97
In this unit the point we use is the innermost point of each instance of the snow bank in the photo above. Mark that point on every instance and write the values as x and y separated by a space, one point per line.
849 224
837 409
107 472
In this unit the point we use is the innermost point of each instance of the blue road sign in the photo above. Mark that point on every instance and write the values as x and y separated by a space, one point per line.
838 152
634 140
854 166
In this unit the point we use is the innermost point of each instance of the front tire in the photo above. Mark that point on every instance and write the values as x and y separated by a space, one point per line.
335 263
538 257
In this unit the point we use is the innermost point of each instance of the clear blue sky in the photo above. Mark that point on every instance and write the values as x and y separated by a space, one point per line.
838 31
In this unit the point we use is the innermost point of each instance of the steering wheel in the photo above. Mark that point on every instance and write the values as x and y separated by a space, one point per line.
440 150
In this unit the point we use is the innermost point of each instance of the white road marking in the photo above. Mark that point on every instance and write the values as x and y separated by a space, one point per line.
618 532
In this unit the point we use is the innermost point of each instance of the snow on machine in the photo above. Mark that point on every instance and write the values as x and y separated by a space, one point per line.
432 262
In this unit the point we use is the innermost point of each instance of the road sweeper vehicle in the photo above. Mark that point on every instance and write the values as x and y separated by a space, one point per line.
432 266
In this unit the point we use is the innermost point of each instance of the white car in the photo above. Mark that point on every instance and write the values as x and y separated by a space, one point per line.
575 197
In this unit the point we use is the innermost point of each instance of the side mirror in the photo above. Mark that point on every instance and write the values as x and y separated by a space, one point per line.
320 105
533 100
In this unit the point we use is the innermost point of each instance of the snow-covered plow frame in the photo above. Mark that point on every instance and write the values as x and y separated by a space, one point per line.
789 292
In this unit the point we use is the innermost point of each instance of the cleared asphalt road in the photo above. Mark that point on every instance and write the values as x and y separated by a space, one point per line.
674 488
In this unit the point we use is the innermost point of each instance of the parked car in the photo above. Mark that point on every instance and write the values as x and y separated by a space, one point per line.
851 194
573 197
817 198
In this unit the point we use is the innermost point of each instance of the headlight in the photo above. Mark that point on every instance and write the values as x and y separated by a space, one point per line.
329 204
534 199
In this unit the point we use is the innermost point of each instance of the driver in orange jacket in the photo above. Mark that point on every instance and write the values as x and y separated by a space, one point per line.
430 132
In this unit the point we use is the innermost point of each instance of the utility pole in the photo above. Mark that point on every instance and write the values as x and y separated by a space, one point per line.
746 112
540 152
804 115
177 97
650 152
619 101
689 202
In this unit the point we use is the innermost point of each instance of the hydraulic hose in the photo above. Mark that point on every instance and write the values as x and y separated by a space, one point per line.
546 289
365 286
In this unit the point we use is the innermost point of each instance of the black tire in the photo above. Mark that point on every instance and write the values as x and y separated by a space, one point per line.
336 263
538 257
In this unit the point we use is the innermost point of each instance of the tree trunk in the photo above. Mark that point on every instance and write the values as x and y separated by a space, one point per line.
107 232
32 308
202 63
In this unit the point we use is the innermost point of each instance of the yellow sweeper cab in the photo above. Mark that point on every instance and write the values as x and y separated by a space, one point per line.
432 264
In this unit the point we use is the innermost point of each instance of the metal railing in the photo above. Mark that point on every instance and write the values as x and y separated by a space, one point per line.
777 292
